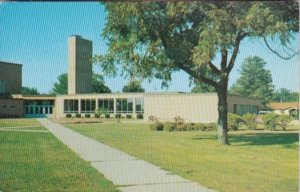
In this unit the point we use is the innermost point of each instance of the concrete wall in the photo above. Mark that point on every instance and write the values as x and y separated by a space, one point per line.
190 107
80 52
12 75
11 108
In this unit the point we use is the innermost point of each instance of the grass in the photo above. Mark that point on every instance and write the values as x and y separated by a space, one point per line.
18 122
255 160
39 162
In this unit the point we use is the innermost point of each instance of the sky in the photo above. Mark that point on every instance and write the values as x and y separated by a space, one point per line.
36 35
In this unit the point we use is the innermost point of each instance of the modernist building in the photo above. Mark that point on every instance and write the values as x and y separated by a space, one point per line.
79 100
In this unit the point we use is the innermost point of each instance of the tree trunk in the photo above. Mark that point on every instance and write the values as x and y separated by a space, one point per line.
222 111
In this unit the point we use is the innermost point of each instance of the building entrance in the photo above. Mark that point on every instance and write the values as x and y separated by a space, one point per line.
39 108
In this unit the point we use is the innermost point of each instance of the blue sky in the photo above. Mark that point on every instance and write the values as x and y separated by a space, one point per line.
35 35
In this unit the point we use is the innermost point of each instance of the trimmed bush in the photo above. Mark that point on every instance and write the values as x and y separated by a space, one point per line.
78 115
190 126
210 126
87 115
97 115
139 116
181 127
68 115
169 126
107 115
128 116
250 121
157 126
118 116
234 121
269 121
283 121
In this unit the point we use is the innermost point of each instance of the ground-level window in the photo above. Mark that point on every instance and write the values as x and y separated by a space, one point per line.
88 105
243 109
70 106
106 105
124 105
139 105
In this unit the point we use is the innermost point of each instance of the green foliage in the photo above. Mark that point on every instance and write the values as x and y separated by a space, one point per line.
118 116
87 115
255 80
234 121
128 116
169 126
249 121
107 115
157 126
98 85
61 87
29 91
269 121
283 121
68 115
285 95
133 86
139 116
78 115
97 115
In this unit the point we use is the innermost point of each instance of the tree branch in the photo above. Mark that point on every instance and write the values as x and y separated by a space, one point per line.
214 68
282 57
224 54
240 36
199 76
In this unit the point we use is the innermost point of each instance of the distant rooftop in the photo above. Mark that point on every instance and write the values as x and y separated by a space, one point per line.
283 105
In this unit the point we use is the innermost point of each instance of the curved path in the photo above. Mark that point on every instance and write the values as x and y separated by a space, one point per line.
128 173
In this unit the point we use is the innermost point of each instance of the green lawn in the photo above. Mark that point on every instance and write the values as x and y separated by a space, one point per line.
31 161
18 122
255 161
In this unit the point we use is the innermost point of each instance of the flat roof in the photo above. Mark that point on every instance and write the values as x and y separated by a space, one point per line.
8 63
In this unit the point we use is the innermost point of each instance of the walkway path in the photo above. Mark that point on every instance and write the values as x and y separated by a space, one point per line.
128 173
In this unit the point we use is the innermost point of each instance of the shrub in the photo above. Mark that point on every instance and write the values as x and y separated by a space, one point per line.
151 118
139 116
107 115
128 116
157 126
234 121
118 116
181 127
97 115
87 115
249 121
169 126
269 121
210 126
190 126
78 115
283 121
68 115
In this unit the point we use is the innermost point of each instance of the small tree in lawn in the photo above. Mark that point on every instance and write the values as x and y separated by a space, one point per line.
153 39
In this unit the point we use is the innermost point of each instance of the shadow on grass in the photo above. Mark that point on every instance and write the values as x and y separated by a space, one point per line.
287 140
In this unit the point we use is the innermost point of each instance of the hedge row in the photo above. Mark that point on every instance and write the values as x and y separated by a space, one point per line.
173 126
107 115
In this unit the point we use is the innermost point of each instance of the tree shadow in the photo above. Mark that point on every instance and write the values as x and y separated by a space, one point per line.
287 140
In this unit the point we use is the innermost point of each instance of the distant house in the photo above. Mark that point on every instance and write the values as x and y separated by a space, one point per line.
287 108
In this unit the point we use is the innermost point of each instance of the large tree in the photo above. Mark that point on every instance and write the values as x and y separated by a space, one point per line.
133 86
29 91
98 85
255 80
153 39
285 95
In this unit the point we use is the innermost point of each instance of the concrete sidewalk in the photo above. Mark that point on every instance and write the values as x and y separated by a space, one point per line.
128 173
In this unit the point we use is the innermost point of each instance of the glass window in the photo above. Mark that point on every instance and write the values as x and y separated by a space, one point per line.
139 105
124 105
243 109
70 106
88 105
106 105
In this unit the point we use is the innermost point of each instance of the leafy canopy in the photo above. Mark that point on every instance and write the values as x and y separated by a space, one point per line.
29 91
98 85
255 80
153 39
285 95
133 86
